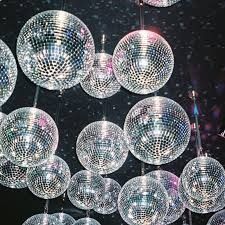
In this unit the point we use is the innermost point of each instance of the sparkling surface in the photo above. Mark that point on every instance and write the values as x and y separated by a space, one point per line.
157 130
101 81
87 221
143 200
143 62
108 203
85 189
8 73
55 50
217 219
50 179
42 219
101 147
64 218
161 3
28 136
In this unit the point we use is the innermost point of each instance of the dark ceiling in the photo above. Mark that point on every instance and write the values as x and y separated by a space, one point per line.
196 33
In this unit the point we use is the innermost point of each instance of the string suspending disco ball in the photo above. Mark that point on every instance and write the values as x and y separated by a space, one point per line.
157 130
28 136
64 218
8 72
86 189
203 178
87 221
170 182
50 179
108 203
2 117
55 50
143 200
143 62
161 3
101 147
217 219
42 219
101 81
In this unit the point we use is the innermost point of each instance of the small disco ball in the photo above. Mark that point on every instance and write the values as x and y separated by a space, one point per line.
170 183
203 178
161 3
217 219
101 147
64 218
87 221
86 189
157 130
55 50
28 136
108 203
50 179
8 73
143 62
42 219
101 81
143 200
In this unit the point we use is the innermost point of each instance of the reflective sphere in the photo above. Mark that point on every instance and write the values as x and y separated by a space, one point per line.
87 221
101 81
143 200
143 62
50 179
86 189
28 136
203 178
157 130
55 50
108 203
170 182
42 219
64 218
101 147
8 73
161 3
217 219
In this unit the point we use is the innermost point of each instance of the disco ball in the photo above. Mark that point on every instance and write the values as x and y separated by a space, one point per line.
108 203
86 189
101 147
55 50
42 219
143 200
203 178
170 183
28 136
143 62
161 3
64 218
101 81
157 130
50 179
217 219
8 73
87 221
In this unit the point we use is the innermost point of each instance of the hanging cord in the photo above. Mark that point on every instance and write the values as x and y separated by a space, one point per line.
88 213
63 5
141 7
58 109
36 96
46 206
63 201
190 217
103 41
142 168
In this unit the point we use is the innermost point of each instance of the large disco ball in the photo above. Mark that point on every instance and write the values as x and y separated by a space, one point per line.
28 136
101 81
8 73
55 50
87 221
170 182
161 3
42 219
143 62
143 200
217 219
157 130
203 178
64 218
50 179
101 147
86 189
108 202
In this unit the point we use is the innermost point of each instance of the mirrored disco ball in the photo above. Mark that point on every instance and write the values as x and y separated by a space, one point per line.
8 73
101 147
42 219
108 203
101 81
203 178
157 130
87 221
64 218
28 136
50 179
161 3
55 50
170 183
217 219
143 200
143 62
85 189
